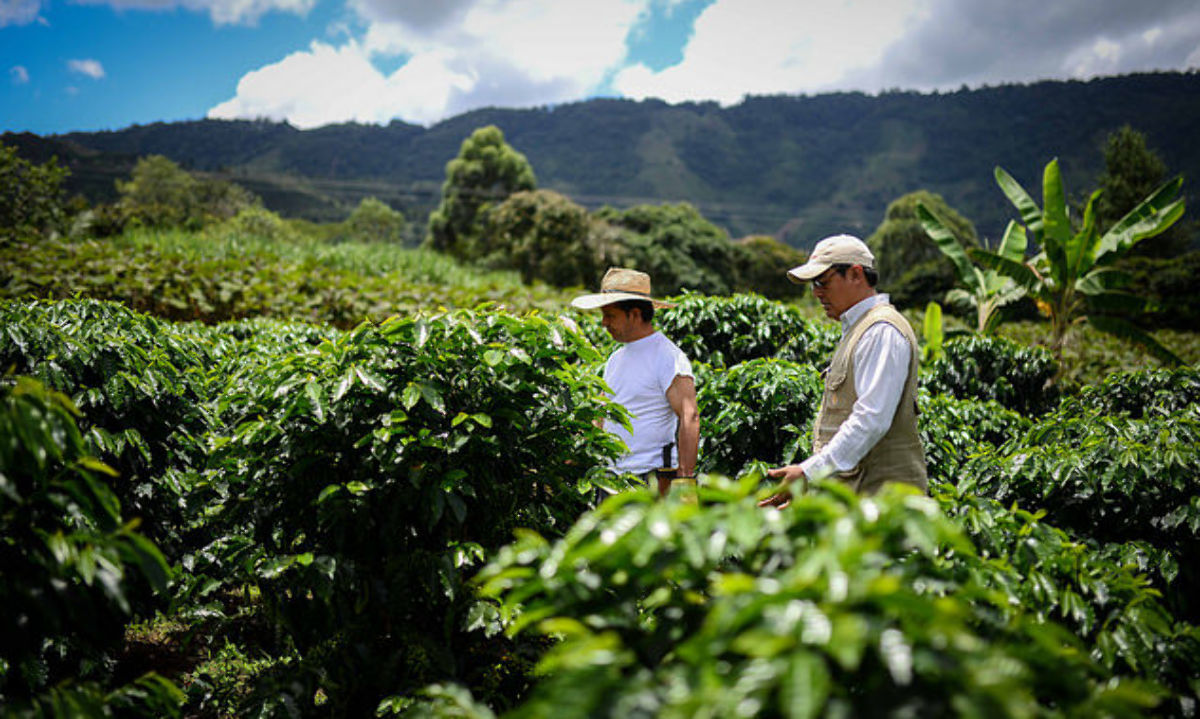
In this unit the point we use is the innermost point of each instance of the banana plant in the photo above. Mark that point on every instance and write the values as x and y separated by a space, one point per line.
987 290
1073 278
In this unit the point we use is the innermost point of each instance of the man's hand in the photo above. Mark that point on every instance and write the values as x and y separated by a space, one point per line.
787 476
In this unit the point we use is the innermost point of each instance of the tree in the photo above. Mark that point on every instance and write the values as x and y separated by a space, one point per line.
1131 172
678 247
374 221
1072 278
160 193
765 262
910 268
486 171
987 290
544 236
31 196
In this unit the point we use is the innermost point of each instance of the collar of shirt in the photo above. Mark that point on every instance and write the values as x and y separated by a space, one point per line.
641 341
855 313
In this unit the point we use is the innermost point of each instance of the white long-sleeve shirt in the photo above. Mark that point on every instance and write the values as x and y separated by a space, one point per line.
880 372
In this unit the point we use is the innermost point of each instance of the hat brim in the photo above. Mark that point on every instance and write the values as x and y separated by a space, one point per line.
600 299
808 271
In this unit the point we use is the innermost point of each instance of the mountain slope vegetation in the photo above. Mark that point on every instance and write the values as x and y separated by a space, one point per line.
793 166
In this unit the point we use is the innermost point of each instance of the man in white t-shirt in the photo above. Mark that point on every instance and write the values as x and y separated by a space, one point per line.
651 378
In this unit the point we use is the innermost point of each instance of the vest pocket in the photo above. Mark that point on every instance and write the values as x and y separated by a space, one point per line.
834 378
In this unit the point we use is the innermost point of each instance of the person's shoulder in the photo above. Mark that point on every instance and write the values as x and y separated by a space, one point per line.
669 344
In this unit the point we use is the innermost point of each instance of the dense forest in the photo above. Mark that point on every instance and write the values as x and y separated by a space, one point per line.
797 167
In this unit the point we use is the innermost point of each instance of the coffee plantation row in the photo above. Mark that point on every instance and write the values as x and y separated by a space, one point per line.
268 518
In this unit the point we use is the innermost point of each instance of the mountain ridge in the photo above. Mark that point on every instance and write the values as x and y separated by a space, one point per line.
795 166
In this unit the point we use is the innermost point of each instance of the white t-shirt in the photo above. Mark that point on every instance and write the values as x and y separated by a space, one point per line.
639 374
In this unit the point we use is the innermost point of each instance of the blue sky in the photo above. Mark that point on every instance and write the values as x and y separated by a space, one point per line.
106 64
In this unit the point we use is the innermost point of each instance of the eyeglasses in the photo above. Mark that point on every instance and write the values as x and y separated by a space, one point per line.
822 282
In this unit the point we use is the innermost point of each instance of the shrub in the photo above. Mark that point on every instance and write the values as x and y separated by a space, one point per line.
72 565
1144 394
374 471
32 201
724 331
678 248
838 605
953 430
141 387
544 236
991 368
765 262
761 409
1111 478
374 221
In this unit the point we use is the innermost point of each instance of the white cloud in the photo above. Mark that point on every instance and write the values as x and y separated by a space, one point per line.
459 56
1102 57
741 47
18 12
19 74
222 12
91 68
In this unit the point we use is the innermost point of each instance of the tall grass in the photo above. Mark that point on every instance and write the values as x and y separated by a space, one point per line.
416 265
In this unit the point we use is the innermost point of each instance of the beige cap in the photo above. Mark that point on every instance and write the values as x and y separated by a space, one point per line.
834 250
619 284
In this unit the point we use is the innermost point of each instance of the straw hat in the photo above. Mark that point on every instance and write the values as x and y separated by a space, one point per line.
835 250
619 284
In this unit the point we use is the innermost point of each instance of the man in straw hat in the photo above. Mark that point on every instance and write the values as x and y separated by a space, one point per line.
866 430
651 378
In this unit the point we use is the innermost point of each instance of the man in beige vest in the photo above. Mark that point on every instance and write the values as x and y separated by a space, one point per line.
866 431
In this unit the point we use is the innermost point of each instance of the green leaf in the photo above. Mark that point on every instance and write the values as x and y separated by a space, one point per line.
370 379
1151 217
1056 225
1030 214
948 244
343 385
805 687
316 401
493 357
410 396
432 396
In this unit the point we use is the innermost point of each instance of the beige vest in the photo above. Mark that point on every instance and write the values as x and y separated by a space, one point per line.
898 456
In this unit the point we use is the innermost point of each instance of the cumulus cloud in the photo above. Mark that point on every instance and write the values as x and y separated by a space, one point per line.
741 47
457 56
18 12
222 12
91 68
18 74
326 84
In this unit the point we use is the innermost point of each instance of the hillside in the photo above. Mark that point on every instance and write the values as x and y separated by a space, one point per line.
794 166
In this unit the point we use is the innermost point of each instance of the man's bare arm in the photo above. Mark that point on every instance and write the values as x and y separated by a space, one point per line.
682 397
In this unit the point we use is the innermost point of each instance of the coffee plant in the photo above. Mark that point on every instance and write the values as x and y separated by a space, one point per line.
953 430
374 471
1111 478
318 501
73 567
725 331
756 410
992 368
836 605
